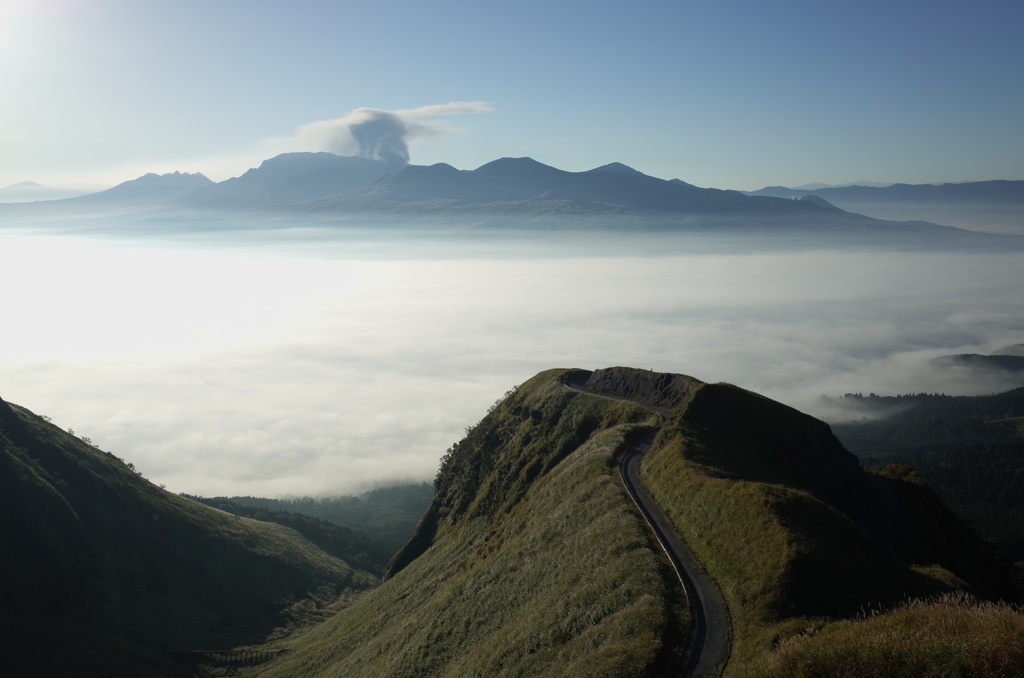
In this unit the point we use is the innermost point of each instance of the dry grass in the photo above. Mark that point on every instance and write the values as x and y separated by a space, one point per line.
562 582
951 636
780 556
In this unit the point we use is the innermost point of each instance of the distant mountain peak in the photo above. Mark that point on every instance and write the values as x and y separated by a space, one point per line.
617 168
525 163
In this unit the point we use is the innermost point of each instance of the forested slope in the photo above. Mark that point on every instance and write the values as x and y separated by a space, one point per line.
969 448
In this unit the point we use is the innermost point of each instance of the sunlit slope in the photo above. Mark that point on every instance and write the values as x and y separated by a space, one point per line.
792 528
531 560
103 570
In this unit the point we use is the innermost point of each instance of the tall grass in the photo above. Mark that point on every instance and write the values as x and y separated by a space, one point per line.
778 553
561 582
951 636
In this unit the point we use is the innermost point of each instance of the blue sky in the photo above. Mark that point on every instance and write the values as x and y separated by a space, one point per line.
730 93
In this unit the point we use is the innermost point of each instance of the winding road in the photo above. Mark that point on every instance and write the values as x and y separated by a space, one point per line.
709 642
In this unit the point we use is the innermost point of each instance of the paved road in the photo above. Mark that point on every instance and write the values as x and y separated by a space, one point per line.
707 647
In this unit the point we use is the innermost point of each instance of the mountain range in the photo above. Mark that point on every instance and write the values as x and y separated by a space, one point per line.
516 191
524 194
525 185
992 206
986 192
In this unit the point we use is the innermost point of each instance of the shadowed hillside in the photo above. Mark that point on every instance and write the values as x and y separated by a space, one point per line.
104 571
970 448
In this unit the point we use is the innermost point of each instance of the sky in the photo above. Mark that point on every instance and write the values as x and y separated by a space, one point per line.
725 93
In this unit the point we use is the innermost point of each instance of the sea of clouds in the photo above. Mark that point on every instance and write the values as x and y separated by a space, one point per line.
272 364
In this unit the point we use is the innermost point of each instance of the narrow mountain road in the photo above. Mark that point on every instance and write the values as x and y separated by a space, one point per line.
709 642
707 647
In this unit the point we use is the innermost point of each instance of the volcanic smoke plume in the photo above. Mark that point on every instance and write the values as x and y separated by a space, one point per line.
379 134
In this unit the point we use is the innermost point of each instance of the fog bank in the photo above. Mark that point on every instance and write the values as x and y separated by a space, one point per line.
225 371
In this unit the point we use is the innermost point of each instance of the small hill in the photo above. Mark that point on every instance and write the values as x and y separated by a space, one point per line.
1010 365
105 573
1013 349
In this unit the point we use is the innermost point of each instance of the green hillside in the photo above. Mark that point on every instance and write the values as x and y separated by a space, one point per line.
104 573
791 527
532 561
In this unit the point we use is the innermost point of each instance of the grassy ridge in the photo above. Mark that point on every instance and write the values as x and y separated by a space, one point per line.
755 488
533 564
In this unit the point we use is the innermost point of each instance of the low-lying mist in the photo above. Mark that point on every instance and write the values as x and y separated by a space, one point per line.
292 361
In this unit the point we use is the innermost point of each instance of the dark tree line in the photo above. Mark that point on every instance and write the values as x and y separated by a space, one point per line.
969 448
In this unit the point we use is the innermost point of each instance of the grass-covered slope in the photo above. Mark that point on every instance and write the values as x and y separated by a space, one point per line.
950 636
530 561
793 529
104 571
